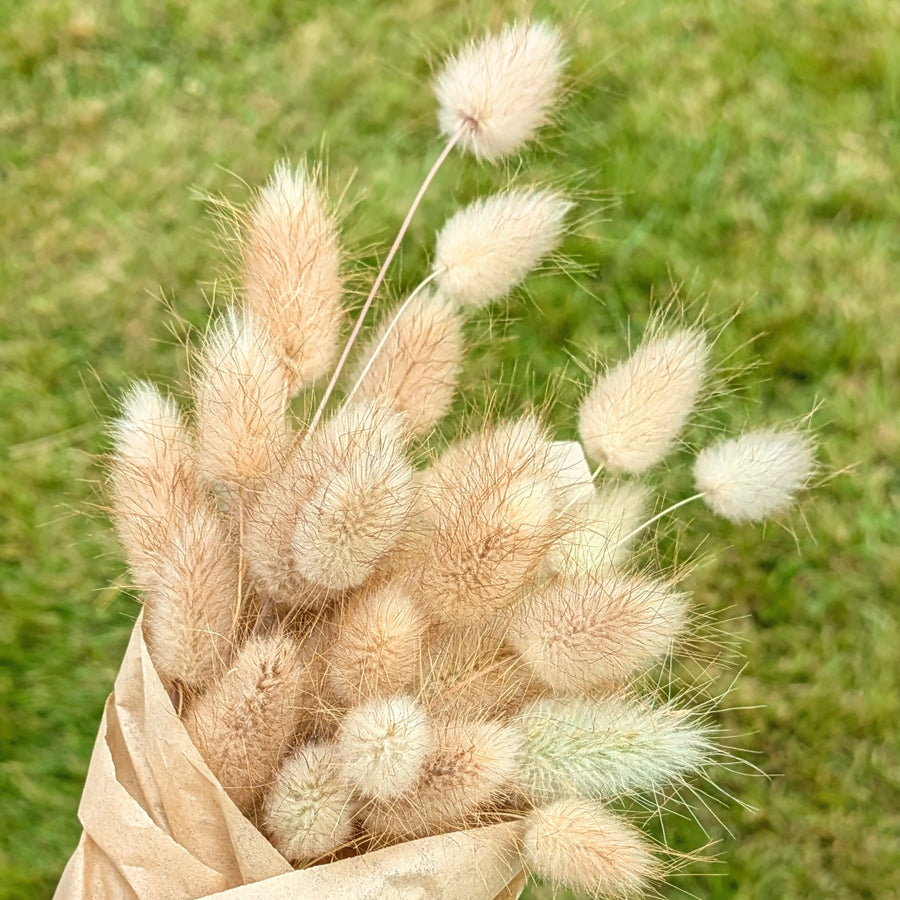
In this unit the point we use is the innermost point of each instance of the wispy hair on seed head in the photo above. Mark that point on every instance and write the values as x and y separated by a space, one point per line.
506 85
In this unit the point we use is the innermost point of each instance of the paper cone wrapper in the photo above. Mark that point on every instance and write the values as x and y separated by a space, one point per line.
159 826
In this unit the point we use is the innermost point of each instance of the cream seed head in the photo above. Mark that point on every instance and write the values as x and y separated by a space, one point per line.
241 402
192 598
503 87
360 497
309 809
598 749
634 412
469 767
415 366
246 721
151 474
292 280
487 507
269 522
577 845
587 631
486 249
596 526
377 645
382 746
178 548
751 477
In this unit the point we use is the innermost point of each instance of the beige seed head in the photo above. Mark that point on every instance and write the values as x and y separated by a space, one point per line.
486 249
241 402
505 85
382 746
192 598
377 646
359 500
292 278
179 550
748 478
415 366
487 508
589 630
150 474
309 809
634 412
577 845
468 769
597 749
596 526
246 722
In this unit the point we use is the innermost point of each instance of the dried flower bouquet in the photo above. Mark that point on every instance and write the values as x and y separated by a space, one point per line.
366 653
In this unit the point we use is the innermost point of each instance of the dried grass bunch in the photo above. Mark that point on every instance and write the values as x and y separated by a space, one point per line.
367 652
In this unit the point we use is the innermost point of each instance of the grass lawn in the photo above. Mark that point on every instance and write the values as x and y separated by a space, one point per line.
746 154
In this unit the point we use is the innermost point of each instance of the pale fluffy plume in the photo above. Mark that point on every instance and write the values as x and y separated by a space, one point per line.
246 722
488 512
241 401
291 273
486 249
596 527
634 412
309 809
382 746
469 767
748 478
591 630
377 645
151 474
179 549
192 599
601 749
506 85
360 496
416 365
268 533
579 846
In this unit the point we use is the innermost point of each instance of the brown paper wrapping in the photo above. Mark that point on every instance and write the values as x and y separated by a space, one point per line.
158 826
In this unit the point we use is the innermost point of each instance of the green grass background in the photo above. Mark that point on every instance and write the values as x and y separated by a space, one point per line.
745 153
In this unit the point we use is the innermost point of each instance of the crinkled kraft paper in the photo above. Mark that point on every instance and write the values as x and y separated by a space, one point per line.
158 826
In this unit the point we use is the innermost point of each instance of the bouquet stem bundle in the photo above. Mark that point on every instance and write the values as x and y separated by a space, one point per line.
365 653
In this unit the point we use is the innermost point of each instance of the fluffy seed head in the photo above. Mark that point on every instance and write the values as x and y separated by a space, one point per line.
241 400
151 474
596 525
309 809
577 845
505 85
586 631
468 768
179 550
488 511
602 749
192 598
291 273
416 364
634 412
748 478
382 746
360 496
486 249
377 646
269 522
245 723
